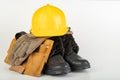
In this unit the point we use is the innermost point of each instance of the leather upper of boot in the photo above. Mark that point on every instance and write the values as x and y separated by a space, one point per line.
69 39
71 54
56 63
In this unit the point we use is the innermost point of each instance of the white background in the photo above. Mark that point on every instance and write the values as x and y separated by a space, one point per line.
96 27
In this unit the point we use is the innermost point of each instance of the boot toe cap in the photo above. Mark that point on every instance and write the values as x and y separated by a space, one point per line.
80 65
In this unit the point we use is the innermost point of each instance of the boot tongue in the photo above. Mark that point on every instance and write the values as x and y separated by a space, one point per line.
73 56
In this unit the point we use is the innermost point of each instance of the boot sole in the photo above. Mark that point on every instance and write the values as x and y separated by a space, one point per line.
79 68
58 71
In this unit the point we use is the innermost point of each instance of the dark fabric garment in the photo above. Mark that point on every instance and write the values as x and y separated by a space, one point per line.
58 47
19 34
68 39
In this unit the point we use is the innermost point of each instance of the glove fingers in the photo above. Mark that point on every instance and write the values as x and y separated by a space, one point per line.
20 60
20 40
17 62
35 43
10 58
18 43
13 60
21 51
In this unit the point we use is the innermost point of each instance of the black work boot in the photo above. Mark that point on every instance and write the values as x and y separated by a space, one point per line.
71 49
56 64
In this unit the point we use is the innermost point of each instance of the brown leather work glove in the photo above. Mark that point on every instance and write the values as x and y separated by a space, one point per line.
24 46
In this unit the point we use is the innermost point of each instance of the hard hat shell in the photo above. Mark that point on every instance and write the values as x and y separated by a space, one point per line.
48 21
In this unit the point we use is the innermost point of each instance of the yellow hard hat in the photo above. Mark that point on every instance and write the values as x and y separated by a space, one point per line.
48 21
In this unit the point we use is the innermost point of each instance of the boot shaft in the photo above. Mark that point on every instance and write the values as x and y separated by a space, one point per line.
58 47
69 43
